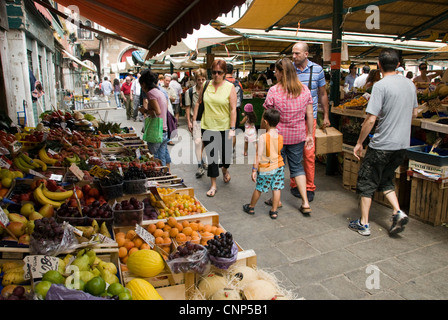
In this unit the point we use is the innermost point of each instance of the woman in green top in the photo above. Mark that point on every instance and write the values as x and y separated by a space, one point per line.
218 123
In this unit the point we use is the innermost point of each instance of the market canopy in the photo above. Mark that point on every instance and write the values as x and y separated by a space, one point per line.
153 25
406 19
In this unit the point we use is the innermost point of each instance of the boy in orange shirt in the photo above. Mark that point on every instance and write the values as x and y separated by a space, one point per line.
268 169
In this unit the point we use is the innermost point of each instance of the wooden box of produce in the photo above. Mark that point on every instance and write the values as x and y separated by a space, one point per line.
428 202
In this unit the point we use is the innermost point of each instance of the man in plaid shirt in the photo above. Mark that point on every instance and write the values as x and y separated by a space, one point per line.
307 69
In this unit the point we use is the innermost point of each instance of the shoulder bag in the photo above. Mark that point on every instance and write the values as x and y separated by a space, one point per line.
201 104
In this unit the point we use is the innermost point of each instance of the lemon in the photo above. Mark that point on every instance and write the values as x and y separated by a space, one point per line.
6 182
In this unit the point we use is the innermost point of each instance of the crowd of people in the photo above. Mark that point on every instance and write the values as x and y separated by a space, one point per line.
214 108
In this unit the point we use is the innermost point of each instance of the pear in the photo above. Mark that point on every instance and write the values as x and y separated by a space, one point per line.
95 226
61 266
86 275
47 210
35 216
16 228
68 259
108 276
29 229
17 217
27 209
96 272
104 231
82 263
87 232
92 255
24 239
109 266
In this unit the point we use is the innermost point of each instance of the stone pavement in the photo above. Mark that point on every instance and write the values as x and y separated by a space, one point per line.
318 257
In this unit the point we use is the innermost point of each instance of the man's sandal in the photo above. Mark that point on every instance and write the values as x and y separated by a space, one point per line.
269 203
273 214
248 209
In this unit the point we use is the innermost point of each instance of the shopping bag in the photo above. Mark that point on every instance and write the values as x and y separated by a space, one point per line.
171 123
153 130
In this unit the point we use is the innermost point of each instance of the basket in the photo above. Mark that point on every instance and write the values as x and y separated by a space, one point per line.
128 217
134 186
112 192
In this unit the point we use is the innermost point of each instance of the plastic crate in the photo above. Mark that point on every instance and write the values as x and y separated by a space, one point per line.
421 154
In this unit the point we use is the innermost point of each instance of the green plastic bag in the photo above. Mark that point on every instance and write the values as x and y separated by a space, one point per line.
153 130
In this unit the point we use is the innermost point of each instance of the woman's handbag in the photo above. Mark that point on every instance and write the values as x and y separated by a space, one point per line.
153 130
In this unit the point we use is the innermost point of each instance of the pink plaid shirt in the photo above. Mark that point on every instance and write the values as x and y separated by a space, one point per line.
292 113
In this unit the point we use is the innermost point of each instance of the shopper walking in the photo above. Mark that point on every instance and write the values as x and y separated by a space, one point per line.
218 124
157 107
393 103
106 88
135 89
360 81
268 170
191 98
177 88
117 92
294 101
312 75
126 94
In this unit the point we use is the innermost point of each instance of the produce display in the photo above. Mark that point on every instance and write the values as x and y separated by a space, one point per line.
64 195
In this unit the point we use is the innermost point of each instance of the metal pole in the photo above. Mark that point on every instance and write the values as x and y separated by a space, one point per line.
336 45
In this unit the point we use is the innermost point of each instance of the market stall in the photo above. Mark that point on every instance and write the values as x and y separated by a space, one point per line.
89 215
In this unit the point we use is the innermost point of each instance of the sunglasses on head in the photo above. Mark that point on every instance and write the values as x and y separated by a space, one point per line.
219 72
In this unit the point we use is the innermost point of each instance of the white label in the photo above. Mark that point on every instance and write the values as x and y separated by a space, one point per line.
56 177
39 265
138 153
37 174
4 164
52 152
3 218
103 238
145 235
76 171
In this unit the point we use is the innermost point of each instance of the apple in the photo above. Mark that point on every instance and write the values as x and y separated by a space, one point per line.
27 209
16 228
73 203
47 210
24 239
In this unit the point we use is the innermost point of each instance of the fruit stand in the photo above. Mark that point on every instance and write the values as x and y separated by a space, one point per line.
87 215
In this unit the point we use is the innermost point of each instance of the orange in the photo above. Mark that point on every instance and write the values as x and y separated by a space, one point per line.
185 223
158 233
167 240
145 246
194 234
187 231
194 226
172 221
134 249
166 228
124 267
200 226
121 241
195 239
208 228
138 242
125 259
151 228
213 229
165 234
174 232
179 226
120 235
122 252
129 244
159 240
131 234
218 231
181 237
160 224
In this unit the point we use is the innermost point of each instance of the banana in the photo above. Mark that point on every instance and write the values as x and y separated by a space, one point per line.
24 163
19 166
45 158
42 199
28 160
56 196
72 159
41 164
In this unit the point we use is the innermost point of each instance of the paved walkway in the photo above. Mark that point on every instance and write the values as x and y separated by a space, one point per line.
318 257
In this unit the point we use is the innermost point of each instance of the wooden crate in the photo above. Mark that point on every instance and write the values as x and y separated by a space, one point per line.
351 167
428 202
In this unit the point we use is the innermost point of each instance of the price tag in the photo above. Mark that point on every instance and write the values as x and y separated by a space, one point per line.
76 171
52 152
39 264
4 220
37 174
145 235
99 172
56 177
4 163
120 170
138 153
366 96
149 184
103 238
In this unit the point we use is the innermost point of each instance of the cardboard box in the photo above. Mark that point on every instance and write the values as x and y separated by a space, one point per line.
328 140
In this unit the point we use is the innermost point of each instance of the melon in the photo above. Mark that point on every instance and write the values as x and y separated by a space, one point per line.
443 91
226 294
211 283
260 290
142 290
243 275
145 263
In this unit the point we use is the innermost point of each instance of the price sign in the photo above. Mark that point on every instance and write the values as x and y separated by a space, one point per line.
76 171
138 153
37 174
39 265
99 172
52 152
4 163
56 177
145 235
103 238
4 220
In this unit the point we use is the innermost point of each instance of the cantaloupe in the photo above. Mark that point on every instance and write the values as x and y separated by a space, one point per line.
145 263
260 290
211 283
243 275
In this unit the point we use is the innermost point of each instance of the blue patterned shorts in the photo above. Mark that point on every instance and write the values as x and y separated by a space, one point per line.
271 180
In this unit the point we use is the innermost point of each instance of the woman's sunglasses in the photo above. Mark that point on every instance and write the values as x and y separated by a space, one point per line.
219 72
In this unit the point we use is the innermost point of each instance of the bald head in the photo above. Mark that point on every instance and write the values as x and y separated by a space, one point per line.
302 46
300 54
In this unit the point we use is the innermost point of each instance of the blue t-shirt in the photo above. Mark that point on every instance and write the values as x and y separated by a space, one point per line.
317 81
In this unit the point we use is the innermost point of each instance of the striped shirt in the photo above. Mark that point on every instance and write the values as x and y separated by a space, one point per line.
317 81
292 113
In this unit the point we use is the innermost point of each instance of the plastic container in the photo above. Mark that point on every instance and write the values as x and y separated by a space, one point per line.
74 221
134 186
109 221
225 263
421 154
112 192
128 217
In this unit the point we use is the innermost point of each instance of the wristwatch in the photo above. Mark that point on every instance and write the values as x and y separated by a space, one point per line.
232 128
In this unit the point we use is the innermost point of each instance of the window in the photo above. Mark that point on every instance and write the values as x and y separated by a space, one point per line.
84 34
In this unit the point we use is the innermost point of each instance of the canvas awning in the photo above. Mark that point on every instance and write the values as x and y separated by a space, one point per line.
72 57
153 25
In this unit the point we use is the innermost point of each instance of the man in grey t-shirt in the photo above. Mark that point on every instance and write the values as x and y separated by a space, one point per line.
393 103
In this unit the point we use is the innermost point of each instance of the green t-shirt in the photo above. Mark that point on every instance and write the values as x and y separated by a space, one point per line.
216 114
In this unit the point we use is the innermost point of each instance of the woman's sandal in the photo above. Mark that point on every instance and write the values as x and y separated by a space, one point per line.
305 210
248 209
273 214
226 177
269 203
211 193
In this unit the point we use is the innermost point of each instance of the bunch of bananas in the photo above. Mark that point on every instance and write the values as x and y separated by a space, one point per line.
45 196
25 163
43 155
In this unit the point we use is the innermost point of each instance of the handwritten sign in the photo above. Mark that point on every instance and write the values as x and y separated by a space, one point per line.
99 172
39 265
4 220
76 171
145 235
